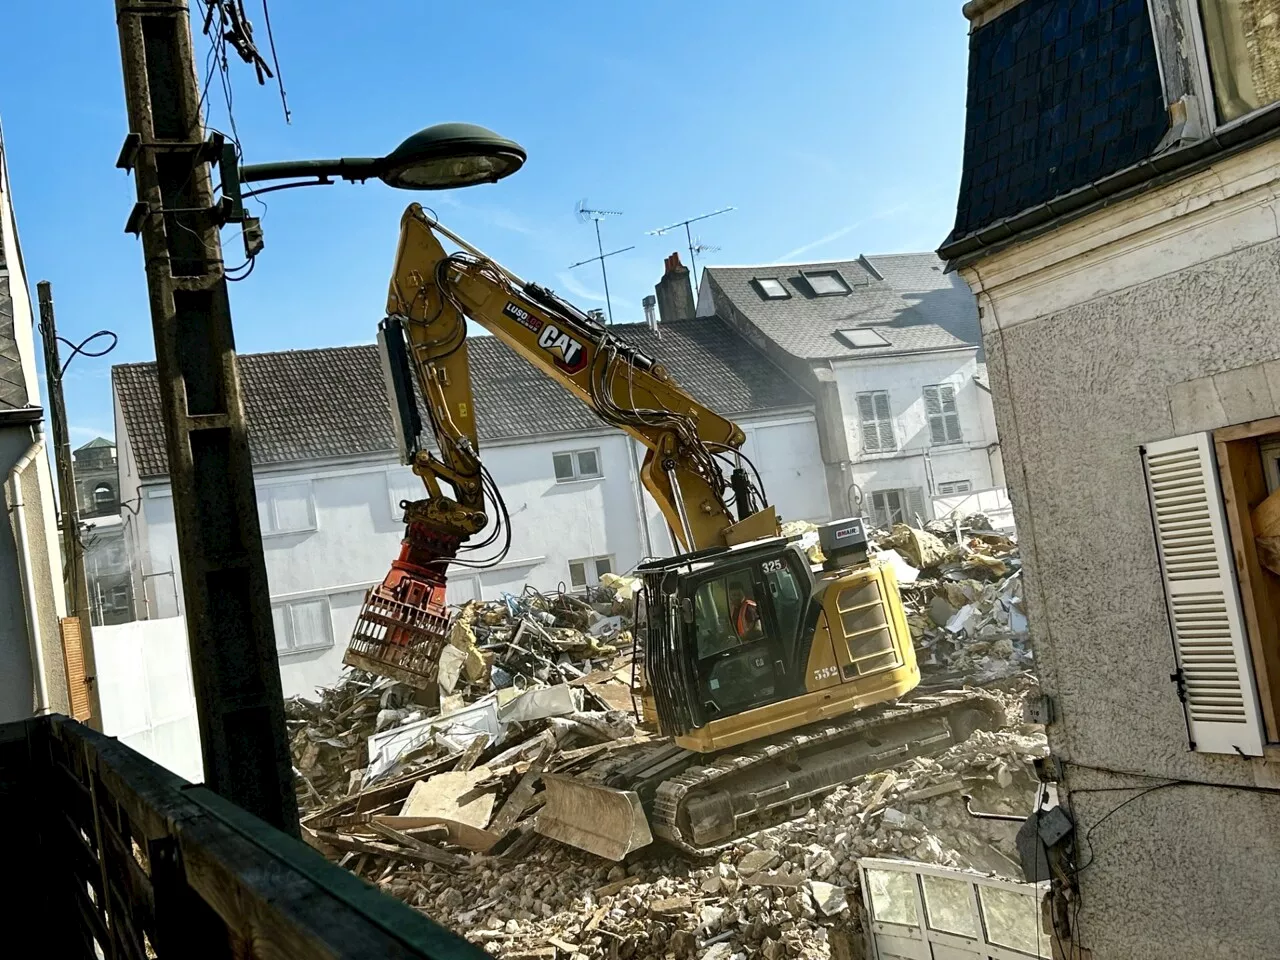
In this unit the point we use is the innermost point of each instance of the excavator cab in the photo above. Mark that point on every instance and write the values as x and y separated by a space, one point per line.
745 641
724 630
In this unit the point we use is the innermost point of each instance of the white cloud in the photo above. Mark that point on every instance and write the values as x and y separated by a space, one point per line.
792 255
576 289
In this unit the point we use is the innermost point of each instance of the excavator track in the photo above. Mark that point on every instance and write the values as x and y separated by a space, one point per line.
702 803
703 809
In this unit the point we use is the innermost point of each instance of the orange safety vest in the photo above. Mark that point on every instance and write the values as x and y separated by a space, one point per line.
745 617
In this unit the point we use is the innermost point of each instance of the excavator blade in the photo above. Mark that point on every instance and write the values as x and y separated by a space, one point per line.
602 820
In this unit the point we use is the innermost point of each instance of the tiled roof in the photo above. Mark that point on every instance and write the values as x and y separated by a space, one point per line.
321 404
1061 93
939 297
805 325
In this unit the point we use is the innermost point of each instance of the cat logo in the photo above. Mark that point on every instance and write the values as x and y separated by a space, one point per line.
567 352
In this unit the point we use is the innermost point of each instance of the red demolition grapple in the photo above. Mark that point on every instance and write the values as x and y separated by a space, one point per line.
404 622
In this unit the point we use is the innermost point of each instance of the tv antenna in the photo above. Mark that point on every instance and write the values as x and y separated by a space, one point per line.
585 214
694 248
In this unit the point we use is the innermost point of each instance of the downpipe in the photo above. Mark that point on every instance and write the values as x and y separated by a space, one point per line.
17 510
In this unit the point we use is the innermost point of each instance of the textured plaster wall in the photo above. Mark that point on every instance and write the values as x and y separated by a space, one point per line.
1186 871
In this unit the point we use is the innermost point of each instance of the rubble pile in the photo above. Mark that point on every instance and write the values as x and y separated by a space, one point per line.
788 891
519 672
962 589
434 796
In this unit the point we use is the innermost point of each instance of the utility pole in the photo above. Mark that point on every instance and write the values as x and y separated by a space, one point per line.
73 575
224 577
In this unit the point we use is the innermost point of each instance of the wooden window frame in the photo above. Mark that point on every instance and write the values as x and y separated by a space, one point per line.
1244 486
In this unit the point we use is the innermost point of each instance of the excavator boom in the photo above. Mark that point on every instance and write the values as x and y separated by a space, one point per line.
424 343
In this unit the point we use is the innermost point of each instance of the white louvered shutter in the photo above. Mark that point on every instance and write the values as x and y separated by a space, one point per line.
887 441
915 506
1204 603
870 428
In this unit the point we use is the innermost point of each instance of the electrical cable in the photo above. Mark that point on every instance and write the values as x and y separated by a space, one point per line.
271 42
79 348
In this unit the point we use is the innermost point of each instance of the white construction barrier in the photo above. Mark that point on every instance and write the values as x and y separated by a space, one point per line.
148 702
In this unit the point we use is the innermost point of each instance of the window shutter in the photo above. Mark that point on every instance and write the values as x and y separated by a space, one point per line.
1204 605
915 506
73 658
870 429
951 413
937 430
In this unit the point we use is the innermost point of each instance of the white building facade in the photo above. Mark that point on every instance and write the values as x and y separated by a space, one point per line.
331 525
891 349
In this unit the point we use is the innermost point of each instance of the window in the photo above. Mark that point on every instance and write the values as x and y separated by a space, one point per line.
944 418
877 425
863 338
954 486
104 498
772 288
302 625
1242 45
286 508
1219 581
576 465
826 283
588 571
897 506
118 599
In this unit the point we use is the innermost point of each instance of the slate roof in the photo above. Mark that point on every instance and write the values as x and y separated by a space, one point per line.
331 402
939 297
1061 93
13 384
805 325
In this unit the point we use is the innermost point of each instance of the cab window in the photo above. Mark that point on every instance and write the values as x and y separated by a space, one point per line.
788 602
726 614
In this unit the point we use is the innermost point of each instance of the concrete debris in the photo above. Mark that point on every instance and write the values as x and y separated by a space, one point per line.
447 823
964 605
827 897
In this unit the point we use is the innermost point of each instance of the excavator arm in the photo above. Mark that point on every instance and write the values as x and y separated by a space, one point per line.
687 444
424 341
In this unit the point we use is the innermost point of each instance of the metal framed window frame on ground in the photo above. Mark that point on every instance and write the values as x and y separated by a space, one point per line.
922 940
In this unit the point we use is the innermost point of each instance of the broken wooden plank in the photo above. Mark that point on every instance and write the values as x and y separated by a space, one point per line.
438 857
616 886
455 831
373 798
516 803
471 754
434 854
595 919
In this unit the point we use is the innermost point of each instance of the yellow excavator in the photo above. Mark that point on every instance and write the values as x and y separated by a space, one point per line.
772 680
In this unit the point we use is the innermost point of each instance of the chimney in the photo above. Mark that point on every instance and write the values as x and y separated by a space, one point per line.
650 316
675 293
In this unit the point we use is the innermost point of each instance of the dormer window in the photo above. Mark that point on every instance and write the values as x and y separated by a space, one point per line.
771 288
826 283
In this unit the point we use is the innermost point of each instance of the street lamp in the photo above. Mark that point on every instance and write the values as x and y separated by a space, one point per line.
441 157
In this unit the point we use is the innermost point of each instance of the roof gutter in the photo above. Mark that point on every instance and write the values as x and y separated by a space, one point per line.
26 573
1113 188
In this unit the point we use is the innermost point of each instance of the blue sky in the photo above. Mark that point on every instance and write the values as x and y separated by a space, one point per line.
835 128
